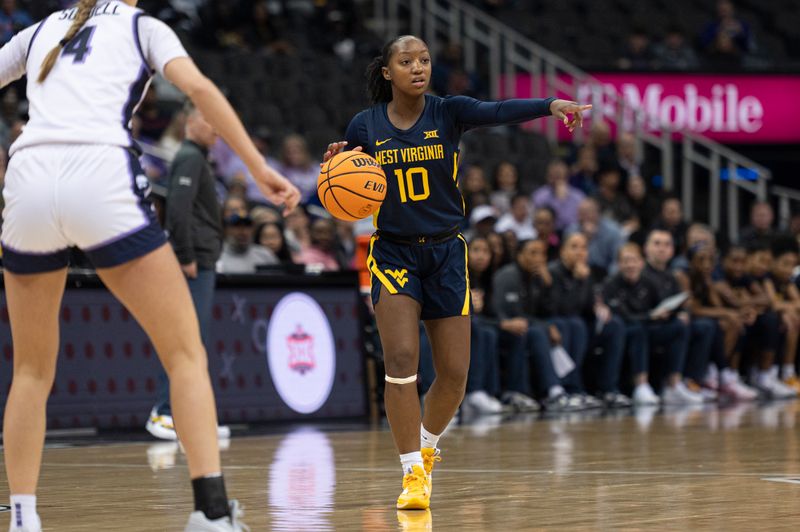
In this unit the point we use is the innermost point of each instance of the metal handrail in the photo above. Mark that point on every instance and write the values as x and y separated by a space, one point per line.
511 52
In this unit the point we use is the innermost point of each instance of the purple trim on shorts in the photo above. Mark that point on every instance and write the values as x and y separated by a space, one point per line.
125 248
33 38
24 262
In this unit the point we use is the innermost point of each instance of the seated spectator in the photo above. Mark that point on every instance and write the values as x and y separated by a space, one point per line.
482 221
785 298
298 166
613 203
645 206
584 170
506 186
697 234
794 226
346 243
239 253
499 255
629 158
518 220
234 204
760 229
474 188
574 298
740 292
559 195
600 139
297 230
634 297
674 53
522 301
671 219
658 253
483 379
706 302
729 29
322 253
544 222
270 236
265 32
604 235
261 214
233 170
637 53
13 19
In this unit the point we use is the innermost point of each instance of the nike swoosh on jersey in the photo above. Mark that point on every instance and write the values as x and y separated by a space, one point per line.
382 142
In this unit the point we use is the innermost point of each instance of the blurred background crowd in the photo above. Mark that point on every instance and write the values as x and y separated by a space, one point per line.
571 247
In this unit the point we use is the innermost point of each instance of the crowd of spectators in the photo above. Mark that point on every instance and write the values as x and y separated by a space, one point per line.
567 278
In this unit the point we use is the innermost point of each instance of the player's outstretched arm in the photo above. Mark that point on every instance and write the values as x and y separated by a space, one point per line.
475 113
218 112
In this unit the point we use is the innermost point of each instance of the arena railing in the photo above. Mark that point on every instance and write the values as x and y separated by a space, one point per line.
704 163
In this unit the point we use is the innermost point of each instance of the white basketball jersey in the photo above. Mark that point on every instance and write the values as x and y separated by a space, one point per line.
99 79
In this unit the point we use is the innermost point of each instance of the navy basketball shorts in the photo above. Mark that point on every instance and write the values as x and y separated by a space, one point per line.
88 196
435 275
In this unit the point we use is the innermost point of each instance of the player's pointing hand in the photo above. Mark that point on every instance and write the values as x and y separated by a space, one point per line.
561 109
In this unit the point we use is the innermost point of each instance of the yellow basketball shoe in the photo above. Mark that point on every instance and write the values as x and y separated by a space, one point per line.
430 456
792 382
416 493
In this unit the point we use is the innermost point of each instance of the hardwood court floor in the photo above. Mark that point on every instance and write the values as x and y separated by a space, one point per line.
679 470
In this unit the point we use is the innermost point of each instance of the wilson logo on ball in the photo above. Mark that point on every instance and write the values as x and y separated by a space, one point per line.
361 162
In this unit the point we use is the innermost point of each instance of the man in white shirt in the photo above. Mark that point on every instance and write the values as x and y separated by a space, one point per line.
518 219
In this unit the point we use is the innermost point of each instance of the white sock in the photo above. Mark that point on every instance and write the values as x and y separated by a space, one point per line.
427 439
788 371
23 512
409 460
555 391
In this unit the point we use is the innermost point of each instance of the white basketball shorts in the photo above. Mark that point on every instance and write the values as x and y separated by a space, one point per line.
89 196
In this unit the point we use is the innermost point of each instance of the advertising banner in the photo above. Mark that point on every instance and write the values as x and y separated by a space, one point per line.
727 108
274 352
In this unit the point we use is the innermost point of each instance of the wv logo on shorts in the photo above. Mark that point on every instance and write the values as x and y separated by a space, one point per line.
431 134
399 276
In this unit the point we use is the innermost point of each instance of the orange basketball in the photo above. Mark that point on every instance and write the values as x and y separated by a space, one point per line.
351 185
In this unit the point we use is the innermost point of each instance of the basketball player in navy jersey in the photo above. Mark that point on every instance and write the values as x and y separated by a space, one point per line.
418 259
75 180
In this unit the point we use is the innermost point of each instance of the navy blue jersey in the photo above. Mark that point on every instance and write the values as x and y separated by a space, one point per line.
421 163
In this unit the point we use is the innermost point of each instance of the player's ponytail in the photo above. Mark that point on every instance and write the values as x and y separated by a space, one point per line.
379 88
84 11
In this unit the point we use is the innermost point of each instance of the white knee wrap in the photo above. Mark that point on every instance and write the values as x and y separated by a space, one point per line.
407 380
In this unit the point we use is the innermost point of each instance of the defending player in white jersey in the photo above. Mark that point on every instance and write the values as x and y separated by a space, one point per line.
74 180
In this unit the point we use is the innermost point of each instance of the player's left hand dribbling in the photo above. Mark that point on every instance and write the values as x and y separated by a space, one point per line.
561 109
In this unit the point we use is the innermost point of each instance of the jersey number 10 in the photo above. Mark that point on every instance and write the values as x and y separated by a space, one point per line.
408 187
79 45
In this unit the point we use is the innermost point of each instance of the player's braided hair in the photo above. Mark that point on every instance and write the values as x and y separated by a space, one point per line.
84 10
379 88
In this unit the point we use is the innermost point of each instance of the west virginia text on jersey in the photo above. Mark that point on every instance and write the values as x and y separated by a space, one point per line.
421 162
